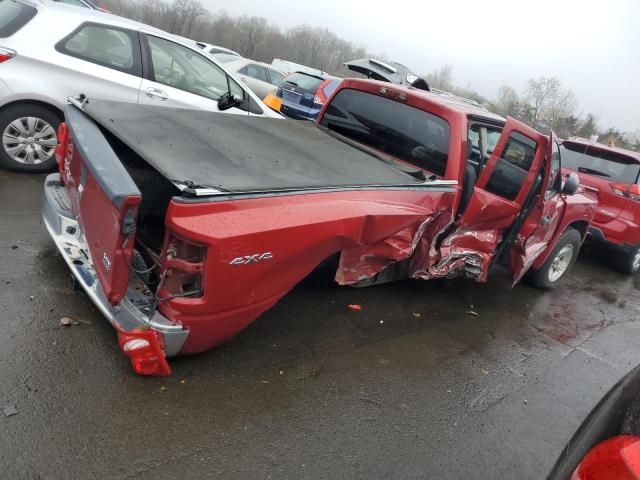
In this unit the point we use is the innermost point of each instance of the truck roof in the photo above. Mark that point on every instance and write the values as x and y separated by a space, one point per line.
601 147
211 150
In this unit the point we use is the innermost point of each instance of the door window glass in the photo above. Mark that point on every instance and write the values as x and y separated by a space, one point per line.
513 166
182 68
109 47
255 71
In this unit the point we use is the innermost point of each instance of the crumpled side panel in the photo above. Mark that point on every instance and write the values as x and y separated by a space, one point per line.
466 252
369 264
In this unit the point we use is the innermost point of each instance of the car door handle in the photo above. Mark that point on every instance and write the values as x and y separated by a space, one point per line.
157 94
546 220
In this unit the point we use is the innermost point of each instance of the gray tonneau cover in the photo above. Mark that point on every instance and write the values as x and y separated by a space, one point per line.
239 153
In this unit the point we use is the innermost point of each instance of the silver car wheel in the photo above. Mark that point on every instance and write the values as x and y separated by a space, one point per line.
561 263
29 140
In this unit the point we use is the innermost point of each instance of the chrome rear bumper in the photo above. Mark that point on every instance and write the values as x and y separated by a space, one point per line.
134 311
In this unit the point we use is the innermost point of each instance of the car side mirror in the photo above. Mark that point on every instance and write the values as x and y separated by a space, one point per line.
571 184
227 101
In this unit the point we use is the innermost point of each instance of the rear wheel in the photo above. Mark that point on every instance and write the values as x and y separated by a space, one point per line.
628 262
562 257
28 138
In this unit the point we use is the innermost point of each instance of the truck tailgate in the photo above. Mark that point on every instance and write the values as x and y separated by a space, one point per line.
106 200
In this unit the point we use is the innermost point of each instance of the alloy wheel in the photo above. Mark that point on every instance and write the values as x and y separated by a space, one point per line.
561 263
29 140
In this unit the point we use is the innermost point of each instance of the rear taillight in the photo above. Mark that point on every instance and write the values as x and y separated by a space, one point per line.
184 262
615 459
6 54
320 97
61 148
145 352
627 190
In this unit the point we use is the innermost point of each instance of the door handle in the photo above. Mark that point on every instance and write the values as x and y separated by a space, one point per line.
546 220
157 94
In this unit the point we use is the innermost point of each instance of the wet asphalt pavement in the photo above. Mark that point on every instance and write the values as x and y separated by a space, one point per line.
410 387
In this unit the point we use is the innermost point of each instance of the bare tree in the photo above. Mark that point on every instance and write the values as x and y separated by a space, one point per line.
561 106
538 95
507 102
442 78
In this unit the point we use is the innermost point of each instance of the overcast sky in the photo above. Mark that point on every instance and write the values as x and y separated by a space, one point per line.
592 46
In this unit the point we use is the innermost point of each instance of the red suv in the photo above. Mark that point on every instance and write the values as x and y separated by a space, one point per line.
614 174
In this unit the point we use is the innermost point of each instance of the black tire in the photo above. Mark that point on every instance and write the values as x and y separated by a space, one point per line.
542 278
16 112
627 262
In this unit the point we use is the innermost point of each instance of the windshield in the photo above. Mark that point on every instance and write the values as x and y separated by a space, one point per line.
397 129
608 165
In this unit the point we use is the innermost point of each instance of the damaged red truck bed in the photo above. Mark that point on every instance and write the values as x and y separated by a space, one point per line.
183 226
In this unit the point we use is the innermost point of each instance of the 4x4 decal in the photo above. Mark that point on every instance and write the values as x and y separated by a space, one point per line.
255 258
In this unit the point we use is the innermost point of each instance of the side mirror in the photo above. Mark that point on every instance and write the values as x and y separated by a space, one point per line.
227 101
571 184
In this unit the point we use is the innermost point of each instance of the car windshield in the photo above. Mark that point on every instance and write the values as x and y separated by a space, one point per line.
608 165
397 129
13 16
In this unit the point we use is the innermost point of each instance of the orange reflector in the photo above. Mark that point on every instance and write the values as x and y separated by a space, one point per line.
273 102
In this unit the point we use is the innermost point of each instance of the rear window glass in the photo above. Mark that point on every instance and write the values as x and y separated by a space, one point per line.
14 16
305 82
394 128
611 166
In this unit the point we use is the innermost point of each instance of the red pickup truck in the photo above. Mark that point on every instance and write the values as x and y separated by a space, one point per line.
184 226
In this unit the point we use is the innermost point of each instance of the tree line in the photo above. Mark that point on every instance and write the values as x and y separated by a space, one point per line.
253 37
544 103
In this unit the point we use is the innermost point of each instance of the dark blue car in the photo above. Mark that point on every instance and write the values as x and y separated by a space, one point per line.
303 94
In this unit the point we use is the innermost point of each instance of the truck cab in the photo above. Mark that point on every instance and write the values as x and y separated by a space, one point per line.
512 206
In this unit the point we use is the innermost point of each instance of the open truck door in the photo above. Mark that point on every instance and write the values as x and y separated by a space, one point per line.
538 224
500 199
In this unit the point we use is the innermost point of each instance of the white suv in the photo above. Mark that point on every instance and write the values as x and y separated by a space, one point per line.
50 51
